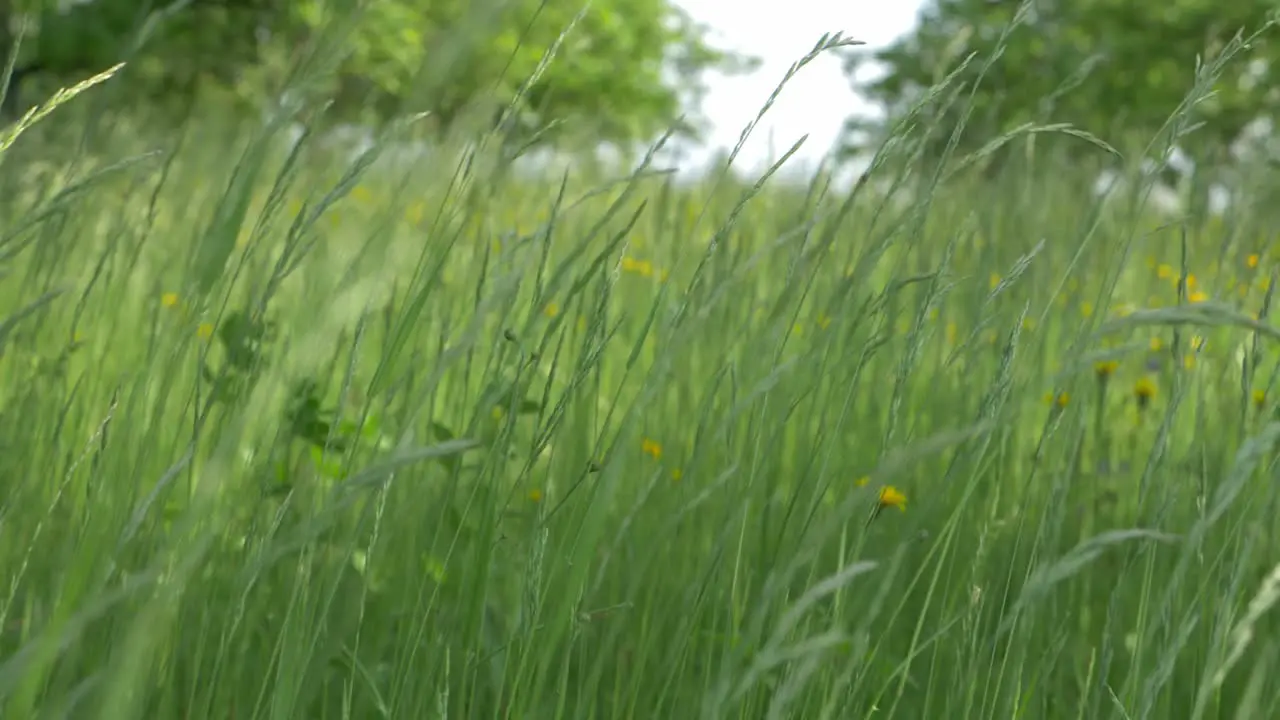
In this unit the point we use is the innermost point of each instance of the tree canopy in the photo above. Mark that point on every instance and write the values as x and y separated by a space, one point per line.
1115 68
626 68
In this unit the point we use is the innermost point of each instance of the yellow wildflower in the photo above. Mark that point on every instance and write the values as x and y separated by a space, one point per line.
1105 368
1259 398
862 481
1164 272
169 299
643 268
204 331
535 495
651 448
1198 296
1252 261
1144 390
891 497
1086 309
1058 400
552 309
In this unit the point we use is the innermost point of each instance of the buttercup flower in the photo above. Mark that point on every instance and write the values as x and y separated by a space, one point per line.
891 497
1144 390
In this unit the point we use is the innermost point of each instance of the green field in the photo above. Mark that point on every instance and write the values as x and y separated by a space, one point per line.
292 435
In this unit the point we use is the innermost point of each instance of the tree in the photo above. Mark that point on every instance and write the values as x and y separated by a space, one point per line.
626 67
1115 68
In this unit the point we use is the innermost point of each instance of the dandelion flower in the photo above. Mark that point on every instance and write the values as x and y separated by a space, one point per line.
204 331
1057 400
1164 272
1198 296
1251 261
169 299
651 448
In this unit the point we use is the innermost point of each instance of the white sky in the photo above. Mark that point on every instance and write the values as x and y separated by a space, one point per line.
779 33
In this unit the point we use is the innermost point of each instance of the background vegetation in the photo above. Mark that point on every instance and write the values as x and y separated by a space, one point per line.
628 67
289 432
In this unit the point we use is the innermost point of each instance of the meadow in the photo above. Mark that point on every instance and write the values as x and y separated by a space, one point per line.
290 434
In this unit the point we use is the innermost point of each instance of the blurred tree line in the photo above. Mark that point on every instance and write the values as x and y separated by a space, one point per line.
624 72
1115 68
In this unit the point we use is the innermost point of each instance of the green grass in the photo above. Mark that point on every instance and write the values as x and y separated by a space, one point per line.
288 437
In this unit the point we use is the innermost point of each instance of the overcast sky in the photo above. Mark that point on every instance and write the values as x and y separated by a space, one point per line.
780 32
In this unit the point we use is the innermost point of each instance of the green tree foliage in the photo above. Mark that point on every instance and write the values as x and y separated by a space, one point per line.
625 69
1115 68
